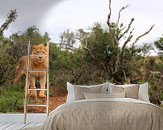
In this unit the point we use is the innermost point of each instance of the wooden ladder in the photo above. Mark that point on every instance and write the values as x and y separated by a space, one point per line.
27 89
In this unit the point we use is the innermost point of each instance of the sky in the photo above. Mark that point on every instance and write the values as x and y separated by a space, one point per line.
56 16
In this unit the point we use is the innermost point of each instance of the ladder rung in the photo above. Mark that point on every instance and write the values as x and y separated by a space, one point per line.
37 55
37 89
36 105
37 70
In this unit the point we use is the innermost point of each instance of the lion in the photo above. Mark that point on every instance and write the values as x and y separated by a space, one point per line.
36 63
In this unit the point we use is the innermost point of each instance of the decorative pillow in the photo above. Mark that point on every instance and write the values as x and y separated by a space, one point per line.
104 95
101 88
143 92
131 90
79 91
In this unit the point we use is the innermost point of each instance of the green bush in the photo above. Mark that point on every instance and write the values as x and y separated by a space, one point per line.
156 88
11 100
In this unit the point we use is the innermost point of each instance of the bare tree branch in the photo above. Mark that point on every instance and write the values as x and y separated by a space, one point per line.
124 46
128 39
119 14
109 15
119 58
126 31
119 28
10 18
137 39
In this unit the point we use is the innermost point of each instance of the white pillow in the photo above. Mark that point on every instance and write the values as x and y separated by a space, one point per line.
143 92
131 90
104 95
71 92
121 86
70 95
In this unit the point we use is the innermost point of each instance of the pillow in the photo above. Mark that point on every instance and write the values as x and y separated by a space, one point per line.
131 90
109 87
104 95
79 91
71 93
143 92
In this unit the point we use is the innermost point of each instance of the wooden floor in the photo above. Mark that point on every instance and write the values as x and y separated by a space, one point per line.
16 121
18 126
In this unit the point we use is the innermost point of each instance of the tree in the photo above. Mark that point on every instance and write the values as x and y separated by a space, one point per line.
4 47
159 43
104 46
10 18
67 41
19 41
146 49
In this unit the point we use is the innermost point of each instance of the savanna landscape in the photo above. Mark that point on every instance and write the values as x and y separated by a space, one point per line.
85 57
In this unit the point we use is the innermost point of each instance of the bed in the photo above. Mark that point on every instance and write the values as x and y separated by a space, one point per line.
106 111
